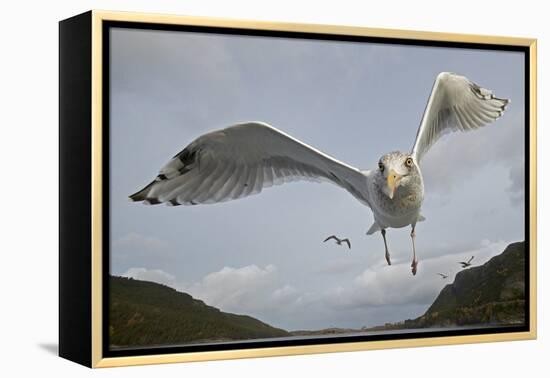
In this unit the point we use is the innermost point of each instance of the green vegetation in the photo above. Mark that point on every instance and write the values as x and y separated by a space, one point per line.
492 294
147 314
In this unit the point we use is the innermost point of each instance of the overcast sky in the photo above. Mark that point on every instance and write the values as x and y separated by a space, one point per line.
263 255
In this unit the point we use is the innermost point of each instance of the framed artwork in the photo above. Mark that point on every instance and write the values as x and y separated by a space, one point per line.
235 189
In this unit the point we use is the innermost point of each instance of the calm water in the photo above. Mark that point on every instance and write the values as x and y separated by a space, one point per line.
422 332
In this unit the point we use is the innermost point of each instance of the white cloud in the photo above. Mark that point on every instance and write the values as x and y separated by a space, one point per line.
255 291
394 285
251 290
154 275
236 289
285 295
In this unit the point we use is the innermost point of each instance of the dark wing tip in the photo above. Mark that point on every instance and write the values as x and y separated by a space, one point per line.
137 197
504 105
347 242
151 201
142 194
173 202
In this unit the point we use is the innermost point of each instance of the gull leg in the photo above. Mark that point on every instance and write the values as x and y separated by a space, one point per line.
414 263
386 246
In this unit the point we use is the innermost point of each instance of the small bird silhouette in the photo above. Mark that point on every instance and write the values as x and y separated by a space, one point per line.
338 240
466 264
444 276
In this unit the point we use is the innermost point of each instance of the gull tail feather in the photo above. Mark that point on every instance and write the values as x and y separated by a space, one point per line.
375 227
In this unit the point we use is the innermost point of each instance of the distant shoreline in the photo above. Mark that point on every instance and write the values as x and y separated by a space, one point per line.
423 332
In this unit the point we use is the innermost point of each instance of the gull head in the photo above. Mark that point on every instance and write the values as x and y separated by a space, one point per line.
396 169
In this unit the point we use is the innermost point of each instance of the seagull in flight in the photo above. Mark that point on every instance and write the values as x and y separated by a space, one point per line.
243 159
339 241
444 276
466 264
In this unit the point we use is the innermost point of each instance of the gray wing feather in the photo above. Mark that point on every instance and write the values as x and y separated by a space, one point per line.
455 104
240 161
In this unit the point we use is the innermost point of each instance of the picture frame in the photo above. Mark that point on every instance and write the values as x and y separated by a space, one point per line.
85 109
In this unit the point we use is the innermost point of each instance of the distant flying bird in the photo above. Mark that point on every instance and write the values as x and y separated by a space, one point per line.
444 276
241 160
338 240
466 264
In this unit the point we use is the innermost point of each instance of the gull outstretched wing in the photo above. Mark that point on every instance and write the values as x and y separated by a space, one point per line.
455 104
331 237
240 161
347 242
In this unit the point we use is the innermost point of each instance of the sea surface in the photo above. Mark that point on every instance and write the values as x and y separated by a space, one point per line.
347 336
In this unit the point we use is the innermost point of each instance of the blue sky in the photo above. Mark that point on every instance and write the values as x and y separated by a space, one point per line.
263 255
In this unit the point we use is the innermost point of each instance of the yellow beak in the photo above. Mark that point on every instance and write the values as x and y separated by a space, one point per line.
393 182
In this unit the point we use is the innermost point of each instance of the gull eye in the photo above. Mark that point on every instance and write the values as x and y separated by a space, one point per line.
409 162
381 166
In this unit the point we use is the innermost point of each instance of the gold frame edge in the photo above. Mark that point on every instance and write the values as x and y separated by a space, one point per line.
98 16
97 191
533 187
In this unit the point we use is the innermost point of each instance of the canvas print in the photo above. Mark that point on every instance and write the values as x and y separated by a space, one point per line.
275 188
